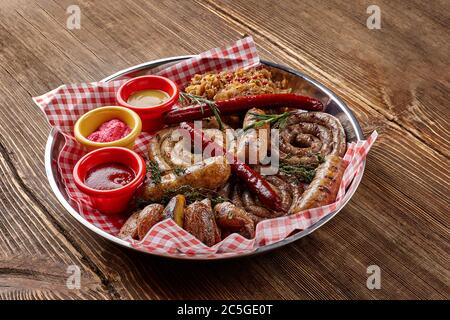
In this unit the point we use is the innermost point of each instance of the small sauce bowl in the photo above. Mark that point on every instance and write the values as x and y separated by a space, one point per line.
110 202
92 120
151 116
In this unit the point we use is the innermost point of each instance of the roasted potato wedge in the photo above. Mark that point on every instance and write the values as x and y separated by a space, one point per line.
199 220
129 228
148 217
175 209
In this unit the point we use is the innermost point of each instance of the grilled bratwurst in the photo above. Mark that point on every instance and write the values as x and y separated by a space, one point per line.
309 135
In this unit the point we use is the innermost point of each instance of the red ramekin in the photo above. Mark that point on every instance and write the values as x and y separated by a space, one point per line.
152 117
110 201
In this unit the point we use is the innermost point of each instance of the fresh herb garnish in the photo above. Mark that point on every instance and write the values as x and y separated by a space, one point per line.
277 120
320 158
197 100
217 199
179 171
193 194
155 172
302 173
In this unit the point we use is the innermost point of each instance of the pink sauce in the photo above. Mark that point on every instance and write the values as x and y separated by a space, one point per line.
111 130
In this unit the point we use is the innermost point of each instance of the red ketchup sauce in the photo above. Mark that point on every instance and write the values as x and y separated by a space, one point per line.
111 130
109 176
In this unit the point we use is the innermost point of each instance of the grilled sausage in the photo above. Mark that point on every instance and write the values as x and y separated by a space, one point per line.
324 187
309 135
169 150
253 144
208 174
252 205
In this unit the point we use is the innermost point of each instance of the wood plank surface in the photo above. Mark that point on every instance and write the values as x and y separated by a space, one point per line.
396 80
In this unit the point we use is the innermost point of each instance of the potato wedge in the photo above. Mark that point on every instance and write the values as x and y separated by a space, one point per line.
148 217
175 209
199 221
129 228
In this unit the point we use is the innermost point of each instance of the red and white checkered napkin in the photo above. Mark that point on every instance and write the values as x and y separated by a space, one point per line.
65 104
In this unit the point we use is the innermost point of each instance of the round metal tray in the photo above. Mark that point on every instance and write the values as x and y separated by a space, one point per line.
299 82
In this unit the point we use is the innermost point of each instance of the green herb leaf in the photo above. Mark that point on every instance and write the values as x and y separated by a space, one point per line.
194 194
276 120
197 100
155 172
302 173
320 158
179 171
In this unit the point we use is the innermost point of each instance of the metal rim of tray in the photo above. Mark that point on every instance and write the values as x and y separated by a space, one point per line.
152 64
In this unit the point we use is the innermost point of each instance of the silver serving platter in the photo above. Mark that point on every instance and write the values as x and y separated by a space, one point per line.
300 83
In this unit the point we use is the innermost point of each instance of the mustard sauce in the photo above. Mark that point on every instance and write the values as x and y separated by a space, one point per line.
148 98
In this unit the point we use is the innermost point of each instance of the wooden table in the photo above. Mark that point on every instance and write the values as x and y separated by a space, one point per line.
395 79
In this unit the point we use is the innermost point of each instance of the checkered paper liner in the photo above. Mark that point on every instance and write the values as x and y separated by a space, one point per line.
65 104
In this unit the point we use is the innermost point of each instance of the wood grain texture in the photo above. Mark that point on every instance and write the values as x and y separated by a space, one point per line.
395 80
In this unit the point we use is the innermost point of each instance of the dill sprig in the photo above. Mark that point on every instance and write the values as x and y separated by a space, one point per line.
197 100
155 172
300 172
277 120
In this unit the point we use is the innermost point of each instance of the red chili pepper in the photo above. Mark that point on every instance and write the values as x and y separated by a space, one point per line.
237 104
254 181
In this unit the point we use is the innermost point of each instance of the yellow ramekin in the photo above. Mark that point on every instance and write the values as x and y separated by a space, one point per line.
92 120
